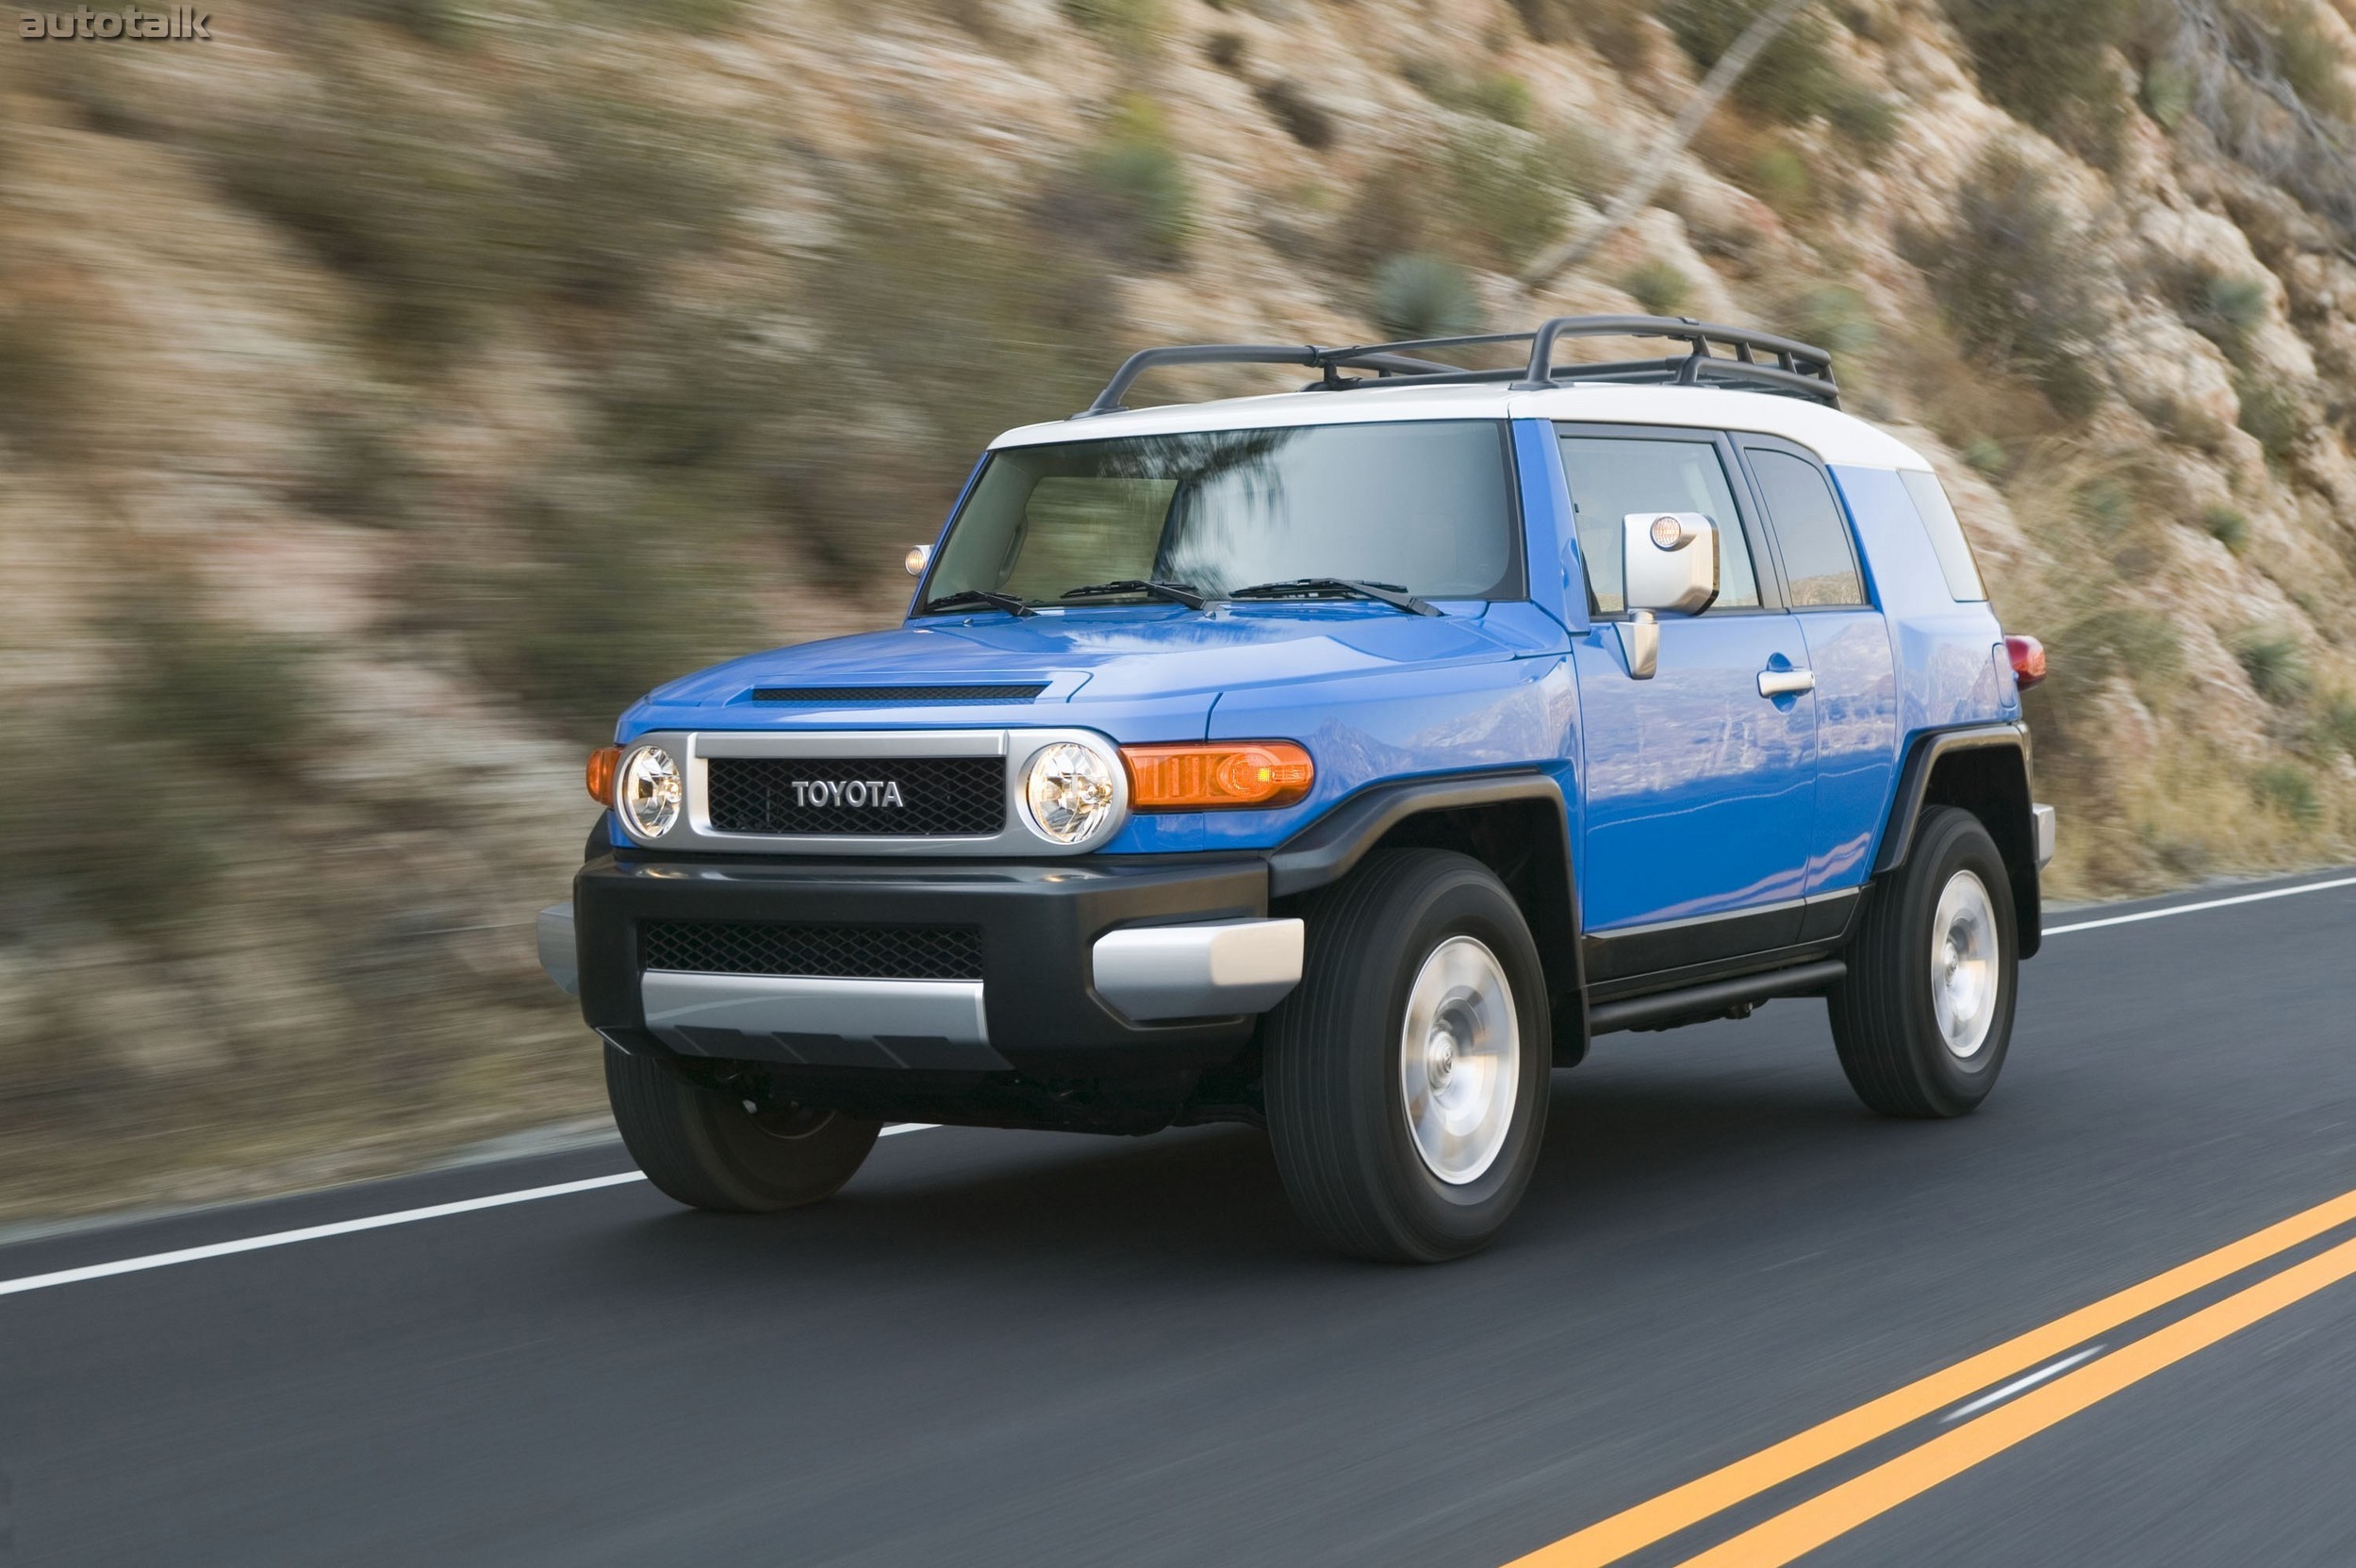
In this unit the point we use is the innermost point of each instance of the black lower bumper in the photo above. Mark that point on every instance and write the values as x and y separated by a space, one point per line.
1037 922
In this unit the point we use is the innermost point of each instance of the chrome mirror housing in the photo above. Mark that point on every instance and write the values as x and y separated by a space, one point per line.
1669 561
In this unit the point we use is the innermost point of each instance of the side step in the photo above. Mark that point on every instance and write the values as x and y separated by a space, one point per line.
1695 1005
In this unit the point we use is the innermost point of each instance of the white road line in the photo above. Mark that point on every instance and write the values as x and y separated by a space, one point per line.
340 1228
2212 903
2026 1380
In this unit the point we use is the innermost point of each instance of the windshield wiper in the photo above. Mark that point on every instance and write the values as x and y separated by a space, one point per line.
1177 593
1304 587
1006 602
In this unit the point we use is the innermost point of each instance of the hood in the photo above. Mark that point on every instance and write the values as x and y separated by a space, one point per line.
1128 654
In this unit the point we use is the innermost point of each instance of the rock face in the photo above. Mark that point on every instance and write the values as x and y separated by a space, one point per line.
390 391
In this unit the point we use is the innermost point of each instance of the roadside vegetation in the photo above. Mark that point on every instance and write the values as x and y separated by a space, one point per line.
407 399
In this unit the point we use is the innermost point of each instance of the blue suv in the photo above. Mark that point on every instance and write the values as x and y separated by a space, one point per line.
1339 762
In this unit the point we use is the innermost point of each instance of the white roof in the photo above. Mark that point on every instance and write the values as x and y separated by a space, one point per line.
1835 436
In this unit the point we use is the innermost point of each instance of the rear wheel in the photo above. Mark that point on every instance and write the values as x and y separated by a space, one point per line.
1925 1015
712 1150
1407 1075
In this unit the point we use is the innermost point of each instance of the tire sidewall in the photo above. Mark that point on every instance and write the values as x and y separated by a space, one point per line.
1956 843
1450 1219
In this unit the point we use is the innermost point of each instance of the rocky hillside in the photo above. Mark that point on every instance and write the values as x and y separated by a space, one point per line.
389 389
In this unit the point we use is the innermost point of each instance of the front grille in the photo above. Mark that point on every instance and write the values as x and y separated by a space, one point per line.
898 694
833 952
926 798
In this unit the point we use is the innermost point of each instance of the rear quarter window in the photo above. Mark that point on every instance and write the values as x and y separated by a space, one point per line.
1955 561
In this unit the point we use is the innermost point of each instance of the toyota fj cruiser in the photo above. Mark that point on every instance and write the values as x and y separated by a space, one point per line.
1338 762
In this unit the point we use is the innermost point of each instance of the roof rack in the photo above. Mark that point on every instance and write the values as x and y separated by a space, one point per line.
1792 368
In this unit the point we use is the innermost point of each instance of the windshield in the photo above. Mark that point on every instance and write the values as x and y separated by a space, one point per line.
1422 507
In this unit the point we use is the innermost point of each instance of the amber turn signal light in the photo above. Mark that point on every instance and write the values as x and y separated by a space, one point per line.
599 776
1219 774
2027 656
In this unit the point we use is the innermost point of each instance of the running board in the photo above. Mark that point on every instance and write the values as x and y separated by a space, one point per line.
1695 1004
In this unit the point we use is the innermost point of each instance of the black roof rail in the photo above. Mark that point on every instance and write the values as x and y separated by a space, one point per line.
1792 368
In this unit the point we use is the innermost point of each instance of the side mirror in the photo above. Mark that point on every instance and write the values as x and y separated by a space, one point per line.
918 557
1669 566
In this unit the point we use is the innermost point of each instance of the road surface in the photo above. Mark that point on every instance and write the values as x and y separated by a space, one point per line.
1009 1348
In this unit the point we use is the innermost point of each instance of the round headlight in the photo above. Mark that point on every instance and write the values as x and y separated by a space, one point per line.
649 792
1068 790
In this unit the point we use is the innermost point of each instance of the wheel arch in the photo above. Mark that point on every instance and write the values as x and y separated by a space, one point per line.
1984 770
1517 824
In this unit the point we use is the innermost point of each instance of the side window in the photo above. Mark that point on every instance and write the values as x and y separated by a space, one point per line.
1611 476
1947 534
1818 561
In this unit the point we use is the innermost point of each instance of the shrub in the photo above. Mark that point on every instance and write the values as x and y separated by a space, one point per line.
1659 287
2168 93
1128 193
2227 310
2227 526
2013 281
1133 26
1505 192
1794 78
1987 455
1620 30
1306 120
1779 176
2048 63
2289 789
38 380
358 472
2277 416
2275 665
1831 316
432 21
1867 118
240 700
2335 726
1424 296
2136 643
1229 51
2301 53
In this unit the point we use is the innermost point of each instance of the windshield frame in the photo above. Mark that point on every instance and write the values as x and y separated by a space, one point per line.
1513 585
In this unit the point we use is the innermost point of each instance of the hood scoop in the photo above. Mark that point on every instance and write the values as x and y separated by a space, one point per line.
871 696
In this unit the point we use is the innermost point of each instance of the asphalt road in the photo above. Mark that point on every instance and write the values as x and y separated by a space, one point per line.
1027 1349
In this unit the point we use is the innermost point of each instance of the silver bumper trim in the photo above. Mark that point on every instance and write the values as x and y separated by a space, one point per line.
2042 816
822 1022
1213 970
558 955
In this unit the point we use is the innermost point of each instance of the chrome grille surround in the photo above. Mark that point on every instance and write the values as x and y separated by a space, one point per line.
696 749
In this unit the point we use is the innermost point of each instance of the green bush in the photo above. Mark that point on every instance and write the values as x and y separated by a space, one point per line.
2227 310
1617 30
2289 789
1831 316
1424 296
1869 119
1133 26
2136 643
1659 287
2047 63
1793 80
2014 281
1987 455
2335 726
2275 665
2277 416
240 700
1231 52
1504 193
2229 527
2168 93
1778 175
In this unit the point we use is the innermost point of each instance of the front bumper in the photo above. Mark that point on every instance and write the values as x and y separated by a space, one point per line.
1086 968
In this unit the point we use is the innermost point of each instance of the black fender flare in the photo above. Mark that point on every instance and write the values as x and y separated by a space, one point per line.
2018 840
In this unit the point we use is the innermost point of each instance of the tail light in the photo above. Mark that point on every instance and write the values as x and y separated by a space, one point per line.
1219 775
2027 656
600 774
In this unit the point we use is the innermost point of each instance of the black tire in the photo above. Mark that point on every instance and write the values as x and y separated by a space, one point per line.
704 1149
1885 1017
1336 1055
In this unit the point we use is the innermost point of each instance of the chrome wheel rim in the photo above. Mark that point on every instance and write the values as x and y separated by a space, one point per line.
1963 966
1459 1060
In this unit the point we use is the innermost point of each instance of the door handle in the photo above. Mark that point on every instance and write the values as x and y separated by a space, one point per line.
1786 683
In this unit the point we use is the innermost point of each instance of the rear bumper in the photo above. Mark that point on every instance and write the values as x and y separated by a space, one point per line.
1086 968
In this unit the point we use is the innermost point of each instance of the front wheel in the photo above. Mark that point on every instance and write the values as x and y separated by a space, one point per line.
1407 1075
711 1149
1923 1018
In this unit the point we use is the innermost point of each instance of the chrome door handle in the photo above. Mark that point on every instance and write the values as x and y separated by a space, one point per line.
1786 683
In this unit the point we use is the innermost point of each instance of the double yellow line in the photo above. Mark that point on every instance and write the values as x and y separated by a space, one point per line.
1806 1525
